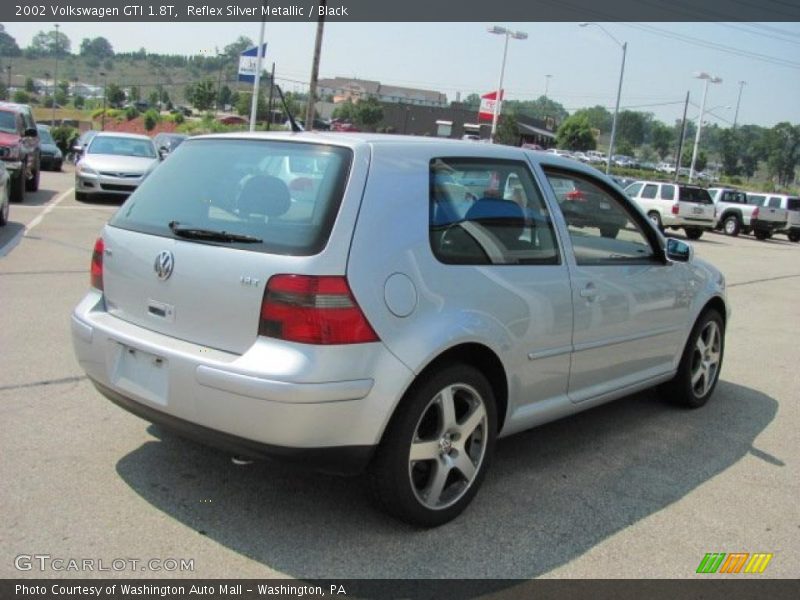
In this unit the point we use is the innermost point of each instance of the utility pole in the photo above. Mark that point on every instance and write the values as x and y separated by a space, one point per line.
269 102
680 139
257 82
103 119
738 100
55 76
312 89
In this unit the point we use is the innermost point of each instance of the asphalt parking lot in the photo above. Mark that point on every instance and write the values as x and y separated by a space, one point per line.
637 488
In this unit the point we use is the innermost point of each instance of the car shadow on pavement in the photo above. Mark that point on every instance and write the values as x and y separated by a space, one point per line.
37 198
551 495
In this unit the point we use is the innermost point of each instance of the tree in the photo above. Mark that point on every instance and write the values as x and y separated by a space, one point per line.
575 133
244 101
21 97
50 43
61 97
98 48
472 101
751 148
369 113
631 127
115 96
542 108
134 93
661 139
63 87
78 101
700 162
8 45
782 144
241 44
152 98
3 91
30 86
151 118
345 111
225 96
597 116
507 129
202 94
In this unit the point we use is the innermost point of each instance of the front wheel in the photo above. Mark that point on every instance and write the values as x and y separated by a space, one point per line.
698 371
437 448
693 233
656 220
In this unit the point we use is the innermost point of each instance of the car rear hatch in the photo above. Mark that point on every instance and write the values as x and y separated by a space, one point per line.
191 251
695 205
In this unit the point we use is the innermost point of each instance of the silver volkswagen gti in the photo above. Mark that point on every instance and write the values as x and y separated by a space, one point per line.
383 303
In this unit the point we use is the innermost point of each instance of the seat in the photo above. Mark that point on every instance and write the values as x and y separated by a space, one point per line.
263 196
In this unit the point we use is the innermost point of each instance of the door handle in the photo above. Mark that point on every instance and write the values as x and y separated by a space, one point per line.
589 292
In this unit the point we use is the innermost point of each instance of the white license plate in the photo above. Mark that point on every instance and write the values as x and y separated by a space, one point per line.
142 373
696 210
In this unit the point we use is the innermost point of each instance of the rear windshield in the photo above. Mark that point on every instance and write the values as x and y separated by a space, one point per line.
793 203
284 194
697 195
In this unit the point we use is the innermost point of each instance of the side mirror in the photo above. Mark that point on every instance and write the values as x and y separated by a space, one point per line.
679 251
162 152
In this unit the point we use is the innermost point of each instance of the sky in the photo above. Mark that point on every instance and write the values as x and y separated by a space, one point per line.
583 62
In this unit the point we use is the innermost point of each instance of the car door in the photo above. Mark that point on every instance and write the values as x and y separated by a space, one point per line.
630 306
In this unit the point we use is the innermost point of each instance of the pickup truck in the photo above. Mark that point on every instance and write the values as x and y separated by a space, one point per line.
733 211
766 218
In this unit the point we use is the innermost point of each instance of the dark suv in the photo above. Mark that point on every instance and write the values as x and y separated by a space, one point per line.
19 148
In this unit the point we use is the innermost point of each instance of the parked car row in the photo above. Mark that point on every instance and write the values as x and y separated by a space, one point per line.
675 206
763 214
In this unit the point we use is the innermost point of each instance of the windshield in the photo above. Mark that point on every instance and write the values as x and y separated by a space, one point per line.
8 121
45 137
122 146
283 195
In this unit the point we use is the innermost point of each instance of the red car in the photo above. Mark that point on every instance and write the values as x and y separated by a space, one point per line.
19 148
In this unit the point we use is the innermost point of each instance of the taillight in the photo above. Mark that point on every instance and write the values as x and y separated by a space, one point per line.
97 264
755 213
575 196
313 310
675 209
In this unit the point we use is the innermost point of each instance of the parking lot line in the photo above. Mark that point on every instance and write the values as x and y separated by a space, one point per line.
12 243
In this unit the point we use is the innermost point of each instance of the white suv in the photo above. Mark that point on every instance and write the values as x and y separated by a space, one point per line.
675 206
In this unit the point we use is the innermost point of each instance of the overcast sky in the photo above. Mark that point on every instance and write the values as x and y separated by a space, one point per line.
584 63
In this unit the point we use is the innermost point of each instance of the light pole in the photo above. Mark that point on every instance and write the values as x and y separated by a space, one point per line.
546 85
738 100
55 76
624 46
517 35
707 78
103 118
220 57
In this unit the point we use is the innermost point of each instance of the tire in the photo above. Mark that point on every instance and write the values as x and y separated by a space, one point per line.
761 234
794 236
81 196
746 230
609 232
732 226
18 188
454 447
701 363
6 206
655 218
32 184
693 233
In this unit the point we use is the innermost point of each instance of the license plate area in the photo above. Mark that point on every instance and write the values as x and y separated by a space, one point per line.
697 210
141 373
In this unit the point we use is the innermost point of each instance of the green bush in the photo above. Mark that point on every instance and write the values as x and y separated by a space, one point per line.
131 113
151 118
64 136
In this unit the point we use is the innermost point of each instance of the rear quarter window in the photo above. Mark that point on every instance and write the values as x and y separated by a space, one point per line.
696 195
285 194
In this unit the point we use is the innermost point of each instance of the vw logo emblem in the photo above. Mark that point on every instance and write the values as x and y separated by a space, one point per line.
164 264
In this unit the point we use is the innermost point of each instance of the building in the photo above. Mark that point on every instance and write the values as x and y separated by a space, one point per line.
343 89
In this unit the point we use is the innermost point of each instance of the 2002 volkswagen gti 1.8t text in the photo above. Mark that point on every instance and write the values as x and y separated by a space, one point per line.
387 303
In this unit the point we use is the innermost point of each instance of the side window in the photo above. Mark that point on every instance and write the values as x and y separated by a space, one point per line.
633 189
600 223
756 200
774 202
486 211
650 191
27 118
668 192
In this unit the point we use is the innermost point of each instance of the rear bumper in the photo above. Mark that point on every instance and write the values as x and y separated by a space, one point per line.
324 407
671 220
339 460
772 226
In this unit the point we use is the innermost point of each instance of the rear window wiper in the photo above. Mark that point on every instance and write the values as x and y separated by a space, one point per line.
197 233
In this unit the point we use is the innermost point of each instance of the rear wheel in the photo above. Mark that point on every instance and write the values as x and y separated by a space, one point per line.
794 236
656 220
693 233
437 448
732 226
18 187
609 232
700 364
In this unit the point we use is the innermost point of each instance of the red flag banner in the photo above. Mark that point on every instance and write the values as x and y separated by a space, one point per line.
486 111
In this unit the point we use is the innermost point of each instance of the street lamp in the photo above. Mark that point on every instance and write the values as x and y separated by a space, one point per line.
517 35
55 76
624 46
546 85
103 118
738 100
220 57
708 79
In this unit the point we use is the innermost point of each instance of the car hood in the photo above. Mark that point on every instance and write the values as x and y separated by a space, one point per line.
8 139
121 164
